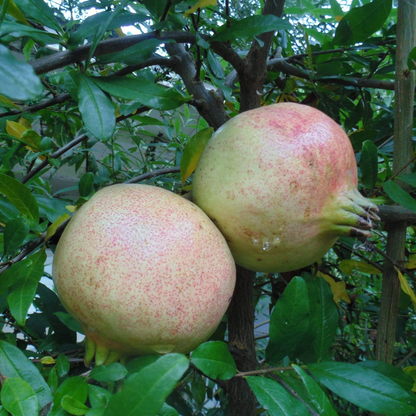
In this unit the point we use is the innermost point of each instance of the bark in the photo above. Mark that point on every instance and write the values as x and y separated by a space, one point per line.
404 87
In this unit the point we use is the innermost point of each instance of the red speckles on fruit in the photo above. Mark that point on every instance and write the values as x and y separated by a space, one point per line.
293 173
144 271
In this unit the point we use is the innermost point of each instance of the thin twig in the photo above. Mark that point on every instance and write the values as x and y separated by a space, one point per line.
154 173
263 371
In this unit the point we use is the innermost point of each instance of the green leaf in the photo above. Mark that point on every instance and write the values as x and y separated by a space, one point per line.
51 208
113 372
133 55
75 387
86 185
16 31
250 27
62 366
54 227
18 79
409 178
98 396
193 151
369 164
155 7
69 321
134 366
393 373
15 233
20 196
23 290
39 10
411 60
91 24
13 363
99 411
399 195
144 393
74 406
323 318
96 109
275 398
316 395
214 360
18 398
167 410
289 323
143 91
8 211
103 27
361 22
364 387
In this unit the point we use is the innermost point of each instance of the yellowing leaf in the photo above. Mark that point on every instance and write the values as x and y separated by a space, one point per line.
52 229
411 264
47 360
25 123
412 373
15 129
199 5
8 102
337 288
71 208
338 18
119 32
406 287
193 151
348 267
14 11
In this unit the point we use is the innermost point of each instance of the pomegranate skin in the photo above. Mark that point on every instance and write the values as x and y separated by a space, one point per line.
280 183
143 271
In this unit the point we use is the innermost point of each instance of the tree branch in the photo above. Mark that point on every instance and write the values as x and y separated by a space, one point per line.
212 108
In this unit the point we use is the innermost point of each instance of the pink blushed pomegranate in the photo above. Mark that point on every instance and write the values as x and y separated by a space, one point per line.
143 271
280 182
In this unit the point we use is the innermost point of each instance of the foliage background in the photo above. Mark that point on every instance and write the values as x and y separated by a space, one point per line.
84 97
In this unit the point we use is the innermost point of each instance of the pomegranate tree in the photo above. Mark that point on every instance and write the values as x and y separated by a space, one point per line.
143 271
280 182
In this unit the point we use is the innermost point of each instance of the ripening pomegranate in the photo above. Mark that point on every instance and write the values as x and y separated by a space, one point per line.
143 271
280 182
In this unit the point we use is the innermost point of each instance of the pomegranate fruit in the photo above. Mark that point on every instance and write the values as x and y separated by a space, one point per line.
143 271
280 182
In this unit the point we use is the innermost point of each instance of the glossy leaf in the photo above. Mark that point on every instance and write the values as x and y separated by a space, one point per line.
20 196
361 22
14 11
103 27
275 398
167 410
98 396
86 185
15 233
323 318
13 363
62 366
75 387
39 10
155 7
144 393
289 322
69 321
17 31
214 360
133 55
193 151
399 195
316 394
96 109
369 164
74 406
137 364
364 387
143 91
18 397
393 373
23 290
18 79
112 372
251 26
410 178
